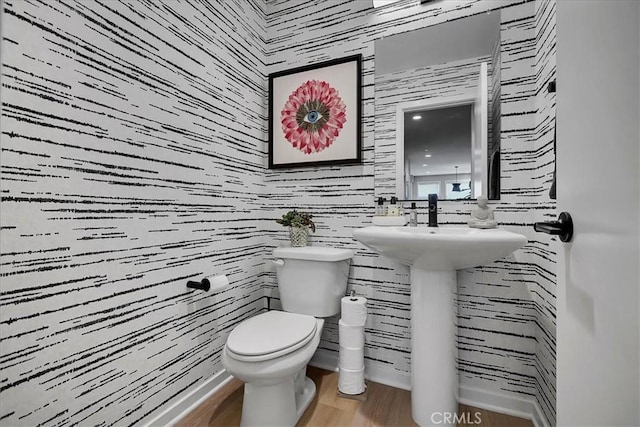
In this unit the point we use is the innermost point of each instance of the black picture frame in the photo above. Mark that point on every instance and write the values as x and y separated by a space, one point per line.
315 114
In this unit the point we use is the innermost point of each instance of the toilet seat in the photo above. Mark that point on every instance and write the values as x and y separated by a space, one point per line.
270 335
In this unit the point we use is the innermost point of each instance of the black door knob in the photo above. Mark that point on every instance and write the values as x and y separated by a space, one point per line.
563 227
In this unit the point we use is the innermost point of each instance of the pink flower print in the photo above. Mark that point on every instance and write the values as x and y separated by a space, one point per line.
313 116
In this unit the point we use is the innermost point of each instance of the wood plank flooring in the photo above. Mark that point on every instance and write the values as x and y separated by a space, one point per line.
385 407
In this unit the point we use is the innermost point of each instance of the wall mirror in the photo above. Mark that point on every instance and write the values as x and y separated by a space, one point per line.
437 110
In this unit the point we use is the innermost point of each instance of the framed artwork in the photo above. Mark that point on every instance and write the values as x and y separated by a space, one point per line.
315 114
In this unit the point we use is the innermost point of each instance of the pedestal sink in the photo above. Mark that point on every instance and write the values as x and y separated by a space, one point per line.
434 255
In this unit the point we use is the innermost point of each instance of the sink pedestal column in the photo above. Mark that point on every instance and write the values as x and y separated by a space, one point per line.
434 382
434 255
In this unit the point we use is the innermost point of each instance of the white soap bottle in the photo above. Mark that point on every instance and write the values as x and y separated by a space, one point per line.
381 209
393 207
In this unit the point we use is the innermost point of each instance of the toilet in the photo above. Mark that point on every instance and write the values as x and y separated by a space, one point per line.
269 352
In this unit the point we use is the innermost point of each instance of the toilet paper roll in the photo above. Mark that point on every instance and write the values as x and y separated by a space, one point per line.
351 358
350 336
354 310
217 283
351 381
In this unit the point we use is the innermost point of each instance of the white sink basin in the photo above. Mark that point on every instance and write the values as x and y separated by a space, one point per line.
434 254
440 248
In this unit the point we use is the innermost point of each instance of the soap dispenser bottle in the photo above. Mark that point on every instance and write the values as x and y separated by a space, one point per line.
413 215
381 210
393 207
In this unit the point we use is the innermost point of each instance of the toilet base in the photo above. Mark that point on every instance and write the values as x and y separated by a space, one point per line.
304 397
279 404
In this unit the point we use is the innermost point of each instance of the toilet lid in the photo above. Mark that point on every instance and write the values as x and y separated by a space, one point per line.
271 332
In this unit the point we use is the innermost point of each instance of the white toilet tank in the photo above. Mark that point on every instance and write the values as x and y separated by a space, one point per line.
312 279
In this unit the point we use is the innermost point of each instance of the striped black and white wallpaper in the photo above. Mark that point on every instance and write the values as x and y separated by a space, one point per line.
506 314
543 288
134 159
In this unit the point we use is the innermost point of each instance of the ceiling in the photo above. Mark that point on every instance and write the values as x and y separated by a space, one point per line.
470 37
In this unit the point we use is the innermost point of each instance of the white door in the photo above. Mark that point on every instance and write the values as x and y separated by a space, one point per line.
598 116
479 165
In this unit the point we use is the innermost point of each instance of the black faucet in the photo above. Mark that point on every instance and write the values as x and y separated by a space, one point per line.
433 210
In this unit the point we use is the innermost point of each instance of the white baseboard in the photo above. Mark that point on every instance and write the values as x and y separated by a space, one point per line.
329 360
538 418
187 403
503 403
322 359
497 402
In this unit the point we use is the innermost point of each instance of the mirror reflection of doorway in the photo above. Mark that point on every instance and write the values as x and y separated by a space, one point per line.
437 140
456 130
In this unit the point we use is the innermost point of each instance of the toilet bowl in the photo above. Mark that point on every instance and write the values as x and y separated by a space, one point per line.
269 352
276 390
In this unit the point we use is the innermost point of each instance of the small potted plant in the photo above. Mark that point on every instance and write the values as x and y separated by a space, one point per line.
299 224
